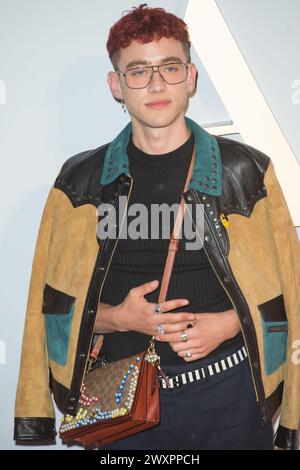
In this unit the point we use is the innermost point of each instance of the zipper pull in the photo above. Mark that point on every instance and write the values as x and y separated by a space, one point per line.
224 220
164 376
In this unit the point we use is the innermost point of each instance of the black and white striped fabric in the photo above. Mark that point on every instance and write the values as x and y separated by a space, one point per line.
200 374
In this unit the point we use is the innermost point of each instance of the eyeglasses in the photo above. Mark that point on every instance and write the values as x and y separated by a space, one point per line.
140 77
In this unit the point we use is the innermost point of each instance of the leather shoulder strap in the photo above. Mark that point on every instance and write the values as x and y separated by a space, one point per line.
175 237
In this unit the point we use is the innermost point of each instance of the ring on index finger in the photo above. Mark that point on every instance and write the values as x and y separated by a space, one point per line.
156 309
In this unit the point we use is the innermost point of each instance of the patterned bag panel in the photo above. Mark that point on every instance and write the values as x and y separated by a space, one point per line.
107 392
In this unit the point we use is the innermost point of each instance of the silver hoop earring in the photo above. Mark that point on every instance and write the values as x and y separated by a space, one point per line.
123 106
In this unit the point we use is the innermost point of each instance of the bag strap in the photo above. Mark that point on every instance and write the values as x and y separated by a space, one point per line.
172 250
174 239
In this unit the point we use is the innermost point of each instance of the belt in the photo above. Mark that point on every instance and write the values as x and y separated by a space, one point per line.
177 380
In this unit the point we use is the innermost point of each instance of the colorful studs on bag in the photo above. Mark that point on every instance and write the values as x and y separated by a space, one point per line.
120 389
84 399
83 418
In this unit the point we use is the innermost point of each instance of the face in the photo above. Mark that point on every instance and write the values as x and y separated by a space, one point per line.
137 100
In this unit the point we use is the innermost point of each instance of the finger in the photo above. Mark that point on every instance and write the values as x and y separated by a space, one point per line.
190 344
179 317
176 340
196 354
172 304
171 328
144 289
194 357
178 327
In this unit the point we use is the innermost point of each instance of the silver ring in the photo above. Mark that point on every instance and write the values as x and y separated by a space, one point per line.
183 337
188 354
156 309
160 329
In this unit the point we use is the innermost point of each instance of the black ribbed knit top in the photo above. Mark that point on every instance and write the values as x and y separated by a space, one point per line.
159 179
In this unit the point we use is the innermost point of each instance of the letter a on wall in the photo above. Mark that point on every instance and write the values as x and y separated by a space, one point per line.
251 115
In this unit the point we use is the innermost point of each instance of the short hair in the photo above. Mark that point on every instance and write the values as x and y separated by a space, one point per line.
145 24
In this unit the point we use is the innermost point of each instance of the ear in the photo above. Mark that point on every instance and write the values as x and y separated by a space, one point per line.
114 85
191 78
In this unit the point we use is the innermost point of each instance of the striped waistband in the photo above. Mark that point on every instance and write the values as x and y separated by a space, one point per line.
177 380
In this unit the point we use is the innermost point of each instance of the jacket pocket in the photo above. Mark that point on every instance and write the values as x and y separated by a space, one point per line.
58 308
275 333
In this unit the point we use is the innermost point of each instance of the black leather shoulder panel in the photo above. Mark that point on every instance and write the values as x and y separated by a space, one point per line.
79 177
244 168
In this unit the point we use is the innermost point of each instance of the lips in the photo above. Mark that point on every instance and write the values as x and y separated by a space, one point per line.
158 104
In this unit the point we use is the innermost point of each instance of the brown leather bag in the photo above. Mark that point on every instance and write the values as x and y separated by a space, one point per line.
121 398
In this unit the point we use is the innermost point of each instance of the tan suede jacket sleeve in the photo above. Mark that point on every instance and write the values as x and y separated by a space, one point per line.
34 412
288 252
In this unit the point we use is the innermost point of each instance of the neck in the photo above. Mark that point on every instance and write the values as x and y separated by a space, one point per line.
159 140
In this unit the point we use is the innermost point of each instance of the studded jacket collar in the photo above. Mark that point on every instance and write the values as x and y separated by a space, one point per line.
207 174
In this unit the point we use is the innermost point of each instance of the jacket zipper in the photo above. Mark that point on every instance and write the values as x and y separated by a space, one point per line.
245 341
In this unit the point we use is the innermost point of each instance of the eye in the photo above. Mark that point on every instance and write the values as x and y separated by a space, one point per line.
171 68
137 72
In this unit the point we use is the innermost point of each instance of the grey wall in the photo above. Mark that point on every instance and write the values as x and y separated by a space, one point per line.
54 64
267 33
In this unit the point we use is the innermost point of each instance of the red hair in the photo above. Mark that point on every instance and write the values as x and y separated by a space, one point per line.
146 24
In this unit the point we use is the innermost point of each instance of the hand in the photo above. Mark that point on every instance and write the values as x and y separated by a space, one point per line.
208 332
135 313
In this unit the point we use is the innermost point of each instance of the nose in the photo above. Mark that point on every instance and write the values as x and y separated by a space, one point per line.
156 83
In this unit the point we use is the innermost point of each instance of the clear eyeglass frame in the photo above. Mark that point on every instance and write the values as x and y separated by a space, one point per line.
186 64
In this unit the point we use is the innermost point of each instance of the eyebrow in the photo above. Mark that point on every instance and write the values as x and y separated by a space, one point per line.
134 63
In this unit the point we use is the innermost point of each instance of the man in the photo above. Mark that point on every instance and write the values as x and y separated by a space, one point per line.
227 332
